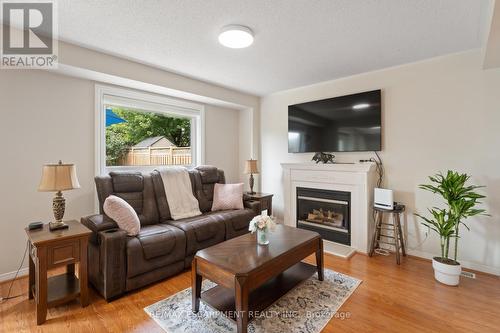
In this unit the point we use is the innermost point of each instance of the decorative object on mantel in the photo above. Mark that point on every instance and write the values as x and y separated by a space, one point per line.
251 169
323 158
461 200
322 299
57 178
263 224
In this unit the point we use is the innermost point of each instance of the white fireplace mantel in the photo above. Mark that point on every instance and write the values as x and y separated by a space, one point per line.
358 178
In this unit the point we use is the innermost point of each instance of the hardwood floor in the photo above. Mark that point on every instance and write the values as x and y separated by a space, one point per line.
391 298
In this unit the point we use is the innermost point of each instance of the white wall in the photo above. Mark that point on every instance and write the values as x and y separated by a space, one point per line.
221 140
439 114
45 117
248 133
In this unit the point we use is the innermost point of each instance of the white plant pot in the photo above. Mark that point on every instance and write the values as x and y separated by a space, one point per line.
447 274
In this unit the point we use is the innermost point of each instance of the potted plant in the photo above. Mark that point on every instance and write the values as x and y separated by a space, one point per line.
461 201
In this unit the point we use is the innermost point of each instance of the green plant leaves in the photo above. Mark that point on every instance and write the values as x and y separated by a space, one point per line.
461 200
140 125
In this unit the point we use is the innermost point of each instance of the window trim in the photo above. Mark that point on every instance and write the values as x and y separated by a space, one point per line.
150 102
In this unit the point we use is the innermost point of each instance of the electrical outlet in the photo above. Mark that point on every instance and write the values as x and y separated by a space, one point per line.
469 275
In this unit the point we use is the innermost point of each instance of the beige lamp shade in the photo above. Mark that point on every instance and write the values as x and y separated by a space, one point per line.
251 167
58 177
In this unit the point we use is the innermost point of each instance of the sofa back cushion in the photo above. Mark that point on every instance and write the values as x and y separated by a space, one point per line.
206 177
129 187
202 178
133 187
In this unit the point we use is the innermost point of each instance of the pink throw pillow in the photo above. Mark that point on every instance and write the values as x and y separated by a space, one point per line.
228 196
123 214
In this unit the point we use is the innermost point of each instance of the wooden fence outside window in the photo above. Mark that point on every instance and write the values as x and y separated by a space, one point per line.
158 156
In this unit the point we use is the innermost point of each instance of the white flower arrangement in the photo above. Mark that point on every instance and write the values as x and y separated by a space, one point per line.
262 222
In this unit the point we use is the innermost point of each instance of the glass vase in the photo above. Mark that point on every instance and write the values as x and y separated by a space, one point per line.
262 236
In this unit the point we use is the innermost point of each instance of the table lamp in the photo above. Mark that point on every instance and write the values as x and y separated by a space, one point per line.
251 168
57 178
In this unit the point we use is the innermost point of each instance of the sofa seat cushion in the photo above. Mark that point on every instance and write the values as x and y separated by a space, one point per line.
155 246
236 220
201 231
156 240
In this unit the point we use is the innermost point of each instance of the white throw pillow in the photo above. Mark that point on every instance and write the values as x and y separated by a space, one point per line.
228 196
123 214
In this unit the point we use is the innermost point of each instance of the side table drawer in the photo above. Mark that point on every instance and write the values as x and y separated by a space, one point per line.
63 253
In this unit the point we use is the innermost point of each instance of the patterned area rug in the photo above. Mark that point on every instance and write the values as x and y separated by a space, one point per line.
306 308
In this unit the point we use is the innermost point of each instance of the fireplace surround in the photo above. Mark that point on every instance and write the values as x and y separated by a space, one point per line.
356 179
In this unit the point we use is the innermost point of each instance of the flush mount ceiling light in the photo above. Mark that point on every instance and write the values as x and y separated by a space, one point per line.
236 36
361 106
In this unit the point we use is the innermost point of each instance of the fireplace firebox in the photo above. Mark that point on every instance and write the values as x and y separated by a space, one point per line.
326 212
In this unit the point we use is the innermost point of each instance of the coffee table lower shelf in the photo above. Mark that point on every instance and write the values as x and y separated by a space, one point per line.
222 299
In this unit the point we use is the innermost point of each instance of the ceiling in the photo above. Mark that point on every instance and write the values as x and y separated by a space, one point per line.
297 42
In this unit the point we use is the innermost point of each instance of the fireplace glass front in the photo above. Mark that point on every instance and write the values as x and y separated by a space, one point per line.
326 212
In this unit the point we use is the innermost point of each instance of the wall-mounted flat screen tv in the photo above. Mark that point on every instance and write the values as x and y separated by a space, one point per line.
341 124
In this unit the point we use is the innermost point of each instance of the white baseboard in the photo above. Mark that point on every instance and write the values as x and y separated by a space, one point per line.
465 264
11 275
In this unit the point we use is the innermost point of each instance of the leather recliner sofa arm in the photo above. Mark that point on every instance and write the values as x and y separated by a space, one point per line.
107 255
112 262
97 223
253 205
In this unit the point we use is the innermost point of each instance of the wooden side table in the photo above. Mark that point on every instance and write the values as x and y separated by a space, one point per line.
266 200
52 249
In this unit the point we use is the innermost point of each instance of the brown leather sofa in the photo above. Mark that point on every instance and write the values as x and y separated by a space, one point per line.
119 263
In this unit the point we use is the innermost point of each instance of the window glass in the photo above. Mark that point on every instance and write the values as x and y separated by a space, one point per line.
141 138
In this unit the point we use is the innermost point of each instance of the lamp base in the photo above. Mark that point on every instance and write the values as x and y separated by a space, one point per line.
251 181
57 225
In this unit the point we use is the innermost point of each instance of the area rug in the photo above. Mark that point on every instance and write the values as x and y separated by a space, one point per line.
306 308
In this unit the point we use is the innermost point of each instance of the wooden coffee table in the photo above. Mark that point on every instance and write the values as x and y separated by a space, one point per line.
251 277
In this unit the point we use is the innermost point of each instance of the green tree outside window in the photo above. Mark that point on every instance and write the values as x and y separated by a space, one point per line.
141 125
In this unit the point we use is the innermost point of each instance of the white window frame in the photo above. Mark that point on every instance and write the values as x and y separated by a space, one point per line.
149 102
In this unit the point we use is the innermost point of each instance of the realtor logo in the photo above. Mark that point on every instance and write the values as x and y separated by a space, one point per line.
28 34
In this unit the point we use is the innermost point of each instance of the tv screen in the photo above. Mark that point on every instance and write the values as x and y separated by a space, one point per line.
340 124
